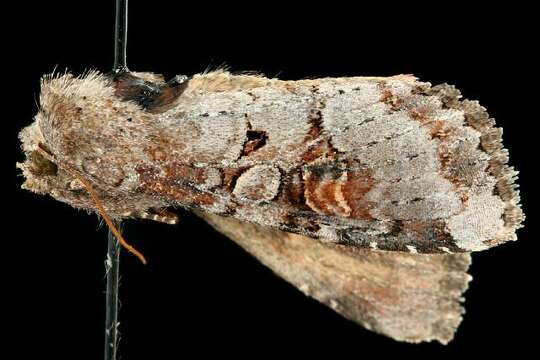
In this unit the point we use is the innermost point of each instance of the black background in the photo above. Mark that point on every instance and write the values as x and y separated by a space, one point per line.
201 293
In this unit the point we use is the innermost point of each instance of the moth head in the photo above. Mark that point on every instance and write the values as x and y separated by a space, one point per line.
42 173
82 126
88 125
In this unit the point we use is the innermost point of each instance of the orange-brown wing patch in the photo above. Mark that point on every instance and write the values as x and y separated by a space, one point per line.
339 192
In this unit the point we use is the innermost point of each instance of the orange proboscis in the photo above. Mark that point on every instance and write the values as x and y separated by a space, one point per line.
106 217
48 155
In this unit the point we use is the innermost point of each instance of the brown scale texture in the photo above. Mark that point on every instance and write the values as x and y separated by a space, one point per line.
346 167
408 297
346 158
358 184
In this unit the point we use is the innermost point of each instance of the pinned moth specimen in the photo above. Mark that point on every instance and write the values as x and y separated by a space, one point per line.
388 178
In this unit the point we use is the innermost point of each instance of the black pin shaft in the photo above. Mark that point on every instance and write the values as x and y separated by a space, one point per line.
120 36
112 263
112 268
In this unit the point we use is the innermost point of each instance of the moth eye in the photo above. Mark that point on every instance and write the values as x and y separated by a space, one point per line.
42 166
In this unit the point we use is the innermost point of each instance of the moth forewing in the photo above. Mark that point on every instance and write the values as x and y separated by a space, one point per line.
387 163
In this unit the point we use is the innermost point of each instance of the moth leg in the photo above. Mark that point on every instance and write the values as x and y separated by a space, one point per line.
159 215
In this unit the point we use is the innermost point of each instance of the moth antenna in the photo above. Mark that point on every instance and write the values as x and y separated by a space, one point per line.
106 217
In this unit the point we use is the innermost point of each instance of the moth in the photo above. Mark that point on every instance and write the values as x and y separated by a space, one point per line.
376 163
